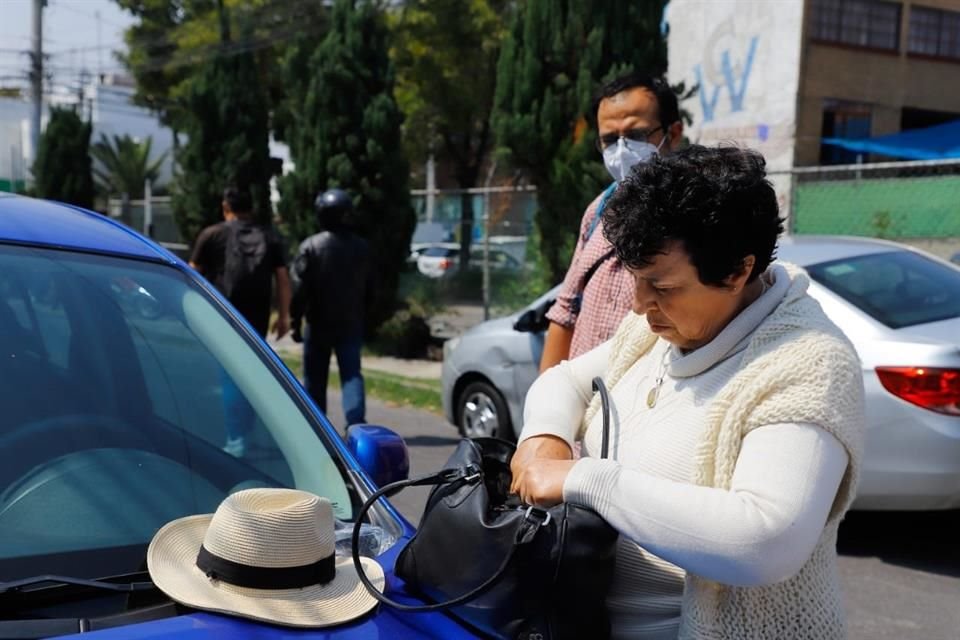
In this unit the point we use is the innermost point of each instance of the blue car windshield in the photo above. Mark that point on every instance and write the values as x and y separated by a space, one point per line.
118 378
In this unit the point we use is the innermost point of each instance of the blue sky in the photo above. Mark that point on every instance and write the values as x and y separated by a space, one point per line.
70 34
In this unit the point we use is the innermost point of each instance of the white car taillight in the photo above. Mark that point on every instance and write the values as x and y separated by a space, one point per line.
928 387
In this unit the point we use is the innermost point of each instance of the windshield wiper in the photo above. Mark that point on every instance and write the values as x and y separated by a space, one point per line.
20 596
17 586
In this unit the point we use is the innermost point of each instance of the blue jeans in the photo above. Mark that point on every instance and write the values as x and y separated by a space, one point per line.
238 415
316 371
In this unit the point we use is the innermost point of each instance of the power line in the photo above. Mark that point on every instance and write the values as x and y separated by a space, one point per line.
59 52
11 36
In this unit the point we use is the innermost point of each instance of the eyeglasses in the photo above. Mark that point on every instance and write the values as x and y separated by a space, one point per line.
637 135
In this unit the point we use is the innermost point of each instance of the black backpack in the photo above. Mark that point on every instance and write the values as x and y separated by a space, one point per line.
245 268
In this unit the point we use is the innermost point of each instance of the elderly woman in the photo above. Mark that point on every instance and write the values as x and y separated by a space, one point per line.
736 416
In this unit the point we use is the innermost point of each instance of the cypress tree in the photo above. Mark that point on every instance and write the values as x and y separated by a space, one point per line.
227 127
63 170
344 131
556 53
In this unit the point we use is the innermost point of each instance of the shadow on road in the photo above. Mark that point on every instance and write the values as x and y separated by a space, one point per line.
926 541
431 441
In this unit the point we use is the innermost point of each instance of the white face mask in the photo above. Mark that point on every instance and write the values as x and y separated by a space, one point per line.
623 156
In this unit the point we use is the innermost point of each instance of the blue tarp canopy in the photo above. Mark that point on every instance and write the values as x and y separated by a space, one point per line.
931 143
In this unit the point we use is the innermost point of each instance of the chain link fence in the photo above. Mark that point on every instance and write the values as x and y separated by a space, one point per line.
917 203
153 218
502 273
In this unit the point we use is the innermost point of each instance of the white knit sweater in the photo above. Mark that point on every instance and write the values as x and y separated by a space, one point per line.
762 524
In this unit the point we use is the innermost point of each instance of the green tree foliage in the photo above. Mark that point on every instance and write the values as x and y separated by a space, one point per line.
154 55
343 128
62 170
446 54
227 127
556 53
125 164
173 38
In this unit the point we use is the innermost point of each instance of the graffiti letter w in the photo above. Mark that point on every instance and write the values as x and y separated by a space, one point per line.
736 90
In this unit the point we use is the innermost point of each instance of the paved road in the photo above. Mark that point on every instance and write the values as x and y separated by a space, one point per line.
430 439
901 571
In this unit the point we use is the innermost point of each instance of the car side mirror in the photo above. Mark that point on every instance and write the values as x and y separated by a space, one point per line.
526 321
534 320
381 452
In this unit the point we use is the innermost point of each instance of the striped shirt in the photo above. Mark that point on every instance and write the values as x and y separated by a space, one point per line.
605 300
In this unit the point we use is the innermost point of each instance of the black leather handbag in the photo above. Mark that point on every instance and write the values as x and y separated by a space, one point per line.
507 569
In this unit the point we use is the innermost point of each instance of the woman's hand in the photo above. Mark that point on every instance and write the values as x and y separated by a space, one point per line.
541 482
539 467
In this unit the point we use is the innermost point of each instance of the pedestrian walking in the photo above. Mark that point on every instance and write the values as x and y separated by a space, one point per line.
637 118
242 258
332 275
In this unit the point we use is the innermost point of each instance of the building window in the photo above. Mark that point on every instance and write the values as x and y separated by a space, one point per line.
843 119
915 118
934 32
873 24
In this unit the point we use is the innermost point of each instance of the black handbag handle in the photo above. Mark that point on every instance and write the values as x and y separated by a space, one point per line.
470 474
601 388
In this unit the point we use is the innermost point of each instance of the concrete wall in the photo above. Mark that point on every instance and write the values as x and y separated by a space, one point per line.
745 57
888 81
113 113
15 152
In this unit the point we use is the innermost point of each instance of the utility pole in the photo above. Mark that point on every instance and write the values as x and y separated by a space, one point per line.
99 51
36 74
81 94
486 239
431 187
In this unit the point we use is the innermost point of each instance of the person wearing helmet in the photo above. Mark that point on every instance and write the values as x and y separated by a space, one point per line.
332 273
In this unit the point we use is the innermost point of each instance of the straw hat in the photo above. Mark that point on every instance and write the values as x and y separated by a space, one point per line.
266 554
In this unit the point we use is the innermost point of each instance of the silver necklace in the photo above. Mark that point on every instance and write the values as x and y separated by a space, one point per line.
654 393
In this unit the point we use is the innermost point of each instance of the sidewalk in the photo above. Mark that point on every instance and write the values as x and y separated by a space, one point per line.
427 369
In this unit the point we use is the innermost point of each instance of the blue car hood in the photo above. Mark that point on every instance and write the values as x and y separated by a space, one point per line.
382 623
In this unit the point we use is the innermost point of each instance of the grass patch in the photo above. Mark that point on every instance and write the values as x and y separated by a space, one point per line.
419 393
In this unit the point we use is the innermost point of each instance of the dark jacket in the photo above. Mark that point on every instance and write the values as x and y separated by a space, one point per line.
332 276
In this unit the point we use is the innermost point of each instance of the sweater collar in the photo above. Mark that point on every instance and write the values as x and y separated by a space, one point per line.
735 337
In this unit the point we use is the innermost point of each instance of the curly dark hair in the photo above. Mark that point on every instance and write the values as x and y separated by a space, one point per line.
716 201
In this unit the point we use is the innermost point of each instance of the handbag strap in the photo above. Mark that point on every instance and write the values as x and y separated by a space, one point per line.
601 388
464 475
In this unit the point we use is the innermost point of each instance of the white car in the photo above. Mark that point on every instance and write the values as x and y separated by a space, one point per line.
899 306
439 260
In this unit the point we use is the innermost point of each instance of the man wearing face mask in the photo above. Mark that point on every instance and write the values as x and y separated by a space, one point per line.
637 118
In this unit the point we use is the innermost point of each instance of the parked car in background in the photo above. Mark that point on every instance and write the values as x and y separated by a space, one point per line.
113 358
418 249
440 260
899 306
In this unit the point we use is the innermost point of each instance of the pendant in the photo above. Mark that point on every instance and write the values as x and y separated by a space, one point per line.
652 397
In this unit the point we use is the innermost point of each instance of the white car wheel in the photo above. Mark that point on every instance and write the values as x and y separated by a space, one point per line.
483 413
